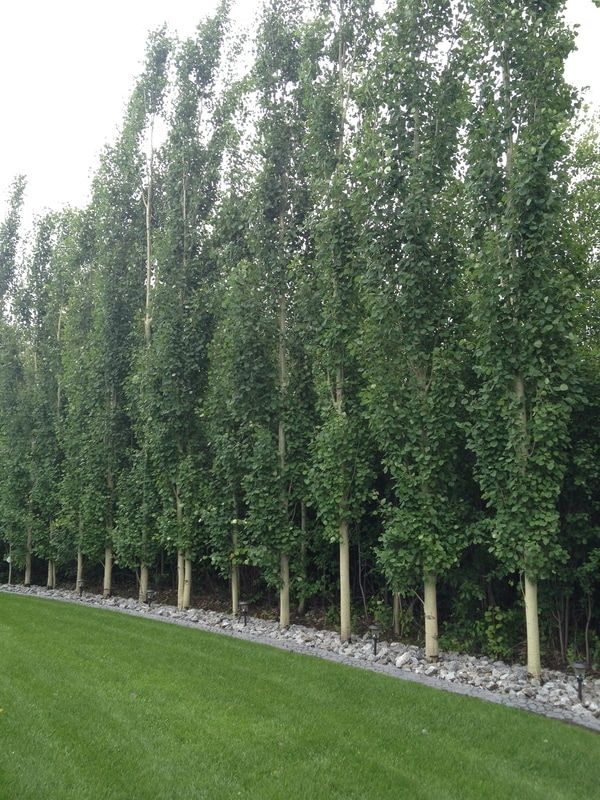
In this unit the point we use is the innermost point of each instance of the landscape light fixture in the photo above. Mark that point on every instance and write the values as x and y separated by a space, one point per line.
375 633
579 670
244 611
150 596
80 585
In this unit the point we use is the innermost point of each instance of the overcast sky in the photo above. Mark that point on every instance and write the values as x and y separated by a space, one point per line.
67 67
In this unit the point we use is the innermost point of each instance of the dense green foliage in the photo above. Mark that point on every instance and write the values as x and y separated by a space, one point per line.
343 293
133 708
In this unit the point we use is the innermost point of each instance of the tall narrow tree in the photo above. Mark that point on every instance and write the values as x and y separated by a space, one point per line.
408 202
340 476
523 289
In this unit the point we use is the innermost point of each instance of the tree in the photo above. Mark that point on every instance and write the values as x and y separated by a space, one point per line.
172 373
15 436
408 202
279 209
523 288
98 419
133 533
40 307
341 470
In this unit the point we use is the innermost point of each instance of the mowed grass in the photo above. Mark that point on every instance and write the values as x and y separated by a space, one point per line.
103 705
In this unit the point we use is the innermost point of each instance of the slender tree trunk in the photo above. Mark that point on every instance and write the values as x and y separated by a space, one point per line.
143 595
28 559
396 613
143 588
187 581
284 561
534 666
345 620
531 605
148 204
180 578
302 602
10 565
431 622
284 594
588 619
531 608
567 623
108 565
235 590
235 570
51 580
345 612
79 577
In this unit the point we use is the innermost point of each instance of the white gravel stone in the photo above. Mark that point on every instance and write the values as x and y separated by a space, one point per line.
403 660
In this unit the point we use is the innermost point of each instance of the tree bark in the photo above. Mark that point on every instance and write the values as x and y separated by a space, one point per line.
534 666
108 564
431 622
235 590
79 578
302 602
396 613
345 619
143 596
235 570
284 561
284 594
148 204
28 559
187 581
51 581
180 578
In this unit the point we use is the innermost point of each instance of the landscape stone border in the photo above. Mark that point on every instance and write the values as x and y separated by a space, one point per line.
555 696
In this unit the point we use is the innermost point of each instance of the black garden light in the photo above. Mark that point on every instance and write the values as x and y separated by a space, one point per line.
150 597
80 586
244 611
375 631
579 670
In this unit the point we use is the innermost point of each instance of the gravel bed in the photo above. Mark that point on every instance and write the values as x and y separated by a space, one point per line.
554 696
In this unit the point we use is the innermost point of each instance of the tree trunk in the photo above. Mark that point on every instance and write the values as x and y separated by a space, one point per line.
534 666
345 623
147 198
235 570
143 596
180 578
284 561
588 619
108 564
187 581
10 566
79 579
51 581
284 592
302 602
396 614
431 623
235 590
27 579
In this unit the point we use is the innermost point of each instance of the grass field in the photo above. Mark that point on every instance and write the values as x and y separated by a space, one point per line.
101 705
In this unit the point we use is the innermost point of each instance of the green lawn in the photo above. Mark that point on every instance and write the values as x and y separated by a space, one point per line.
102 705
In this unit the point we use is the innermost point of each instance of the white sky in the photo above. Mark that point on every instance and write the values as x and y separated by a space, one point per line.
67 68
